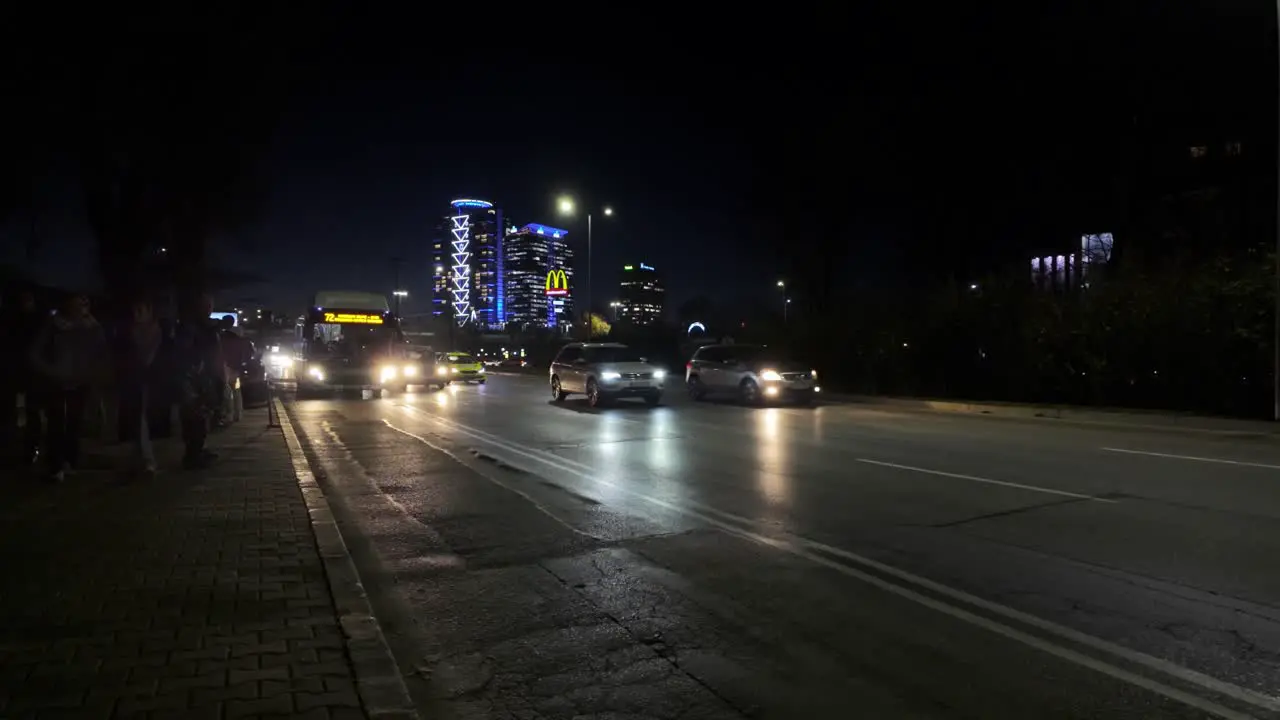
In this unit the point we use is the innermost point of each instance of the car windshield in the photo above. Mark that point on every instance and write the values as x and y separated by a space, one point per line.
612 355
459 358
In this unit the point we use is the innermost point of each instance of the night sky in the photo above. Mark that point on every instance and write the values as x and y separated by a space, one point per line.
926 143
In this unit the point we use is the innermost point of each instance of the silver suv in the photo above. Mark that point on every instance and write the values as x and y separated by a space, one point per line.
752 373
603 372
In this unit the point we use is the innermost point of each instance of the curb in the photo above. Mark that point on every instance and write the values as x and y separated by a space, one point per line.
382 689
1078 416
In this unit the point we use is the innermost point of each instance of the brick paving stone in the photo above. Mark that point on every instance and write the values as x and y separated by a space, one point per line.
195 595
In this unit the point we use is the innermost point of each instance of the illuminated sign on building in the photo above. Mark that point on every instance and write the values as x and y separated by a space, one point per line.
461 268
557 283
471 203
344 318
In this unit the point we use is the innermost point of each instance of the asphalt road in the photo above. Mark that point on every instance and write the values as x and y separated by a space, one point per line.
696 560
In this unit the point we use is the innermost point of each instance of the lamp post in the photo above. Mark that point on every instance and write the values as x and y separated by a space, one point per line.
567 207
782 285
399 294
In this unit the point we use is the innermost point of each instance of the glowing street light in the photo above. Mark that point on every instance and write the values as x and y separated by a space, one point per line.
567 207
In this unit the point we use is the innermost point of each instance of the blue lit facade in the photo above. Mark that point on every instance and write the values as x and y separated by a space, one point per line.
468 283
531 253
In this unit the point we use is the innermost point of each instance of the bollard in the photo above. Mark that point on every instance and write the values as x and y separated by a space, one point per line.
273 417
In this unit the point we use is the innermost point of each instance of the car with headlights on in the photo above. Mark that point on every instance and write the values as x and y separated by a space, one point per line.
605 372
754 374
462 367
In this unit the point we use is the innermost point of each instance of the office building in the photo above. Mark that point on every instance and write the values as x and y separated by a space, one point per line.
538 282
640 295
467 266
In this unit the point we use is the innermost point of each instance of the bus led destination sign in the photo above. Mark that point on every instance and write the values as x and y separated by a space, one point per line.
347 318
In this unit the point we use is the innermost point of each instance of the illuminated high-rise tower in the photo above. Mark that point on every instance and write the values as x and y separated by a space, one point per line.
467 266
539 276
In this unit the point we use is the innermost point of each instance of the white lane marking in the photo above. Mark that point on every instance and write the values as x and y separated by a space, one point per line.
802 547
988 481
1193 458
532 501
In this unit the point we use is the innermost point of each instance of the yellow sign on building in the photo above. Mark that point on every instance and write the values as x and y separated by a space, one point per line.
557 283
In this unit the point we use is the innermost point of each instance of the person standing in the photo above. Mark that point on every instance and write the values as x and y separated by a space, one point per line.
201 379
140 346
67 357
23 323
236 352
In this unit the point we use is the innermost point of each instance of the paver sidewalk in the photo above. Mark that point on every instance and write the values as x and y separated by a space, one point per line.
196 595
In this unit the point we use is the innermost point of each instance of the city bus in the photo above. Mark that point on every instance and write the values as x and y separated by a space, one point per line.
352 341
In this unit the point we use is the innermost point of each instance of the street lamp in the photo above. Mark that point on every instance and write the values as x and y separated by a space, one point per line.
567 207
399 294
782 284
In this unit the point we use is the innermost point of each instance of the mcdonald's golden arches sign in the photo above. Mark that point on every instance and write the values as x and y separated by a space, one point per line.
557 283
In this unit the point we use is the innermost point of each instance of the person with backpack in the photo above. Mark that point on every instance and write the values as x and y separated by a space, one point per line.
67 358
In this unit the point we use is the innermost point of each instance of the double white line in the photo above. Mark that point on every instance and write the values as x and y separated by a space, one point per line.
944 599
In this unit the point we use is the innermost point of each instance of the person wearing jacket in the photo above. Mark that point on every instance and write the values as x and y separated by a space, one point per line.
139 367
201 379
67 357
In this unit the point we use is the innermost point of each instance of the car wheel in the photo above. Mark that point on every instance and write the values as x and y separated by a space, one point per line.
749 392
481 382
594 397
653 400
557 394
697 390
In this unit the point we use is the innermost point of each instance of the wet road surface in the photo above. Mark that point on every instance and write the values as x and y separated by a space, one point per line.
696 560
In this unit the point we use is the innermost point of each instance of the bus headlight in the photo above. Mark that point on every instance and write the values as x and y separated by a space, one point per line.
388 373
442 371
410 371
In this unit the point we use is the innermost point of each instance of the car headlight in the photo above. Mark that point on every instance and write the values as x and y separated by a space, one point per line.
316 372
442 370
610 376
453 370
410 371
388 373
813 374
481 370
770 376
659 374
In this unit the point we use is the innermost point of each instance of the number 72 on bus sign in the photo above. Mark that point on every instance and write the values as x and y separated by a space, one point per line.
352 318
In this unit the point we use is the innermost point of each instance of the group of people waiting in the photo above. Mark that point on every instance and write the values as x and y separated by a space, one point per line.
59 361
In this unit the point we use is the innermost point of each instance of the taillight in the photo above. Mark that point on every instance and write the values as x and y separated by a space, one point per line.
688 365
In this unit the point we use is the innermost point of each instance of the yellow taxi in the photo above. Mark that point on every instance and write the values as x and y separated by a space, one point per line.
461 367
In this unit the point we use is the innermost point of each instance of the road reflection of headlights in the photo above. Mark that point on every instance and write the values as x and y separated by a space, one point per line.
659 374
770 376
610 376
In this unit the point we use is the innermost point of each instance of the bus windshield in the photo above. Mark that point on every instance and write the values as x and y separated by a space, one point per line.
353 341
